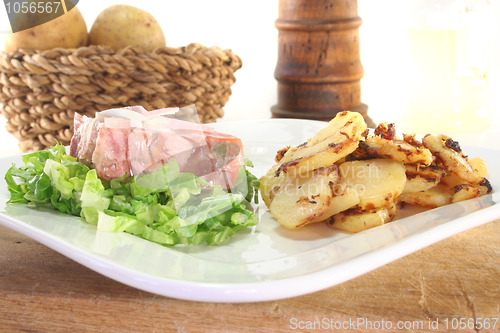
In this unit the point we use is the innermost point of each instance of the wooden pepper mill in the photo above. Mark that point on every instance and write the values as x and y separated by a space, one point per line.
319 67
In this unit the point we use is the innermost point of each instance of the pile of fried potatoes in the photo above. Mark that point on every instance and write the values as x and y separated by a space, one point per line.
354 180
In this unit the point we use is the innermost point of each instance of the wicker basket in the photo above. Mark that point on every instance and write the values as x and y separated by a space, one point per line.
41 90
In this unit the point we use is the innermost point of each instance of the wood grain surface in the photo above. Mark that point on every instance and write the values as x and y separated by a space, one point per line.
43 291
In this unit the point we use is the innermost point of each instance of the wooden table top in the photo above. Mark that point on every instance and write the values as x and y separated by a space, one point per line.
454 282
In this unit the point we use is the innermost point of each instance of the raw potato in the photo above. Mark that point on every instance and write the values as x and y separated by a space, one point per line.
300 200
119 26
378 181
67 31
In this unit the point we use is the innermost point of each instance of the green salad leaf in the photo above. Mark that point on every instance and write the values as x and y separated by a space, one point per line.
166 206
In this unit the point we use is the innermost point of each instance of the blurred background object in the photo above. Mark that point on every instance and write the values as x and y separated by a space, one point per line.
318 68
449 54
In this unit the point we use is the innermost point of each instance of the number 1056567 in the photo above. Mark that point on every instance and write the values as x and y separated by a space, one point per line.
25 7
470 323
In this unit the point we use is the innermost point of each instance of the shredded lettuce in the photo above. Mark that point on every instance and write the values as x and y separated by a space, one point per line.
166 206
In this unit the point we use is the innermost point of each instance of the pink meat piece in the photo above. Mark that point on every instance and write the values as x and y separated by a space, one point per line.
226 165
123 149
77 135
149 150
207 163
110 156
169 124
83 141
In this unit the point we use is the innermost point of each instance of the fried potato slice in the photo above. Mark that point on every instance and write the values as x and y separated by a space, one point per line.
354 181
355 220
397 150
450 153
338 139
450 180
341 201
270 181
465 192
386 131
419 184
378 181
410 138
479 166
301 200
434 197
421 178
485 186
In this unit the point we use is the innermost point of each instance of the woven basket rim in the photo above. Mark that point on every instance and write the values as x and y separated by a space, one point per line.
91 53
109 50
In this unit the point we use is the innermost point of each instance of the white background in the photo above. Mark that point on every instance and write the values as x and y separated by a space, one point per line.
247 27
